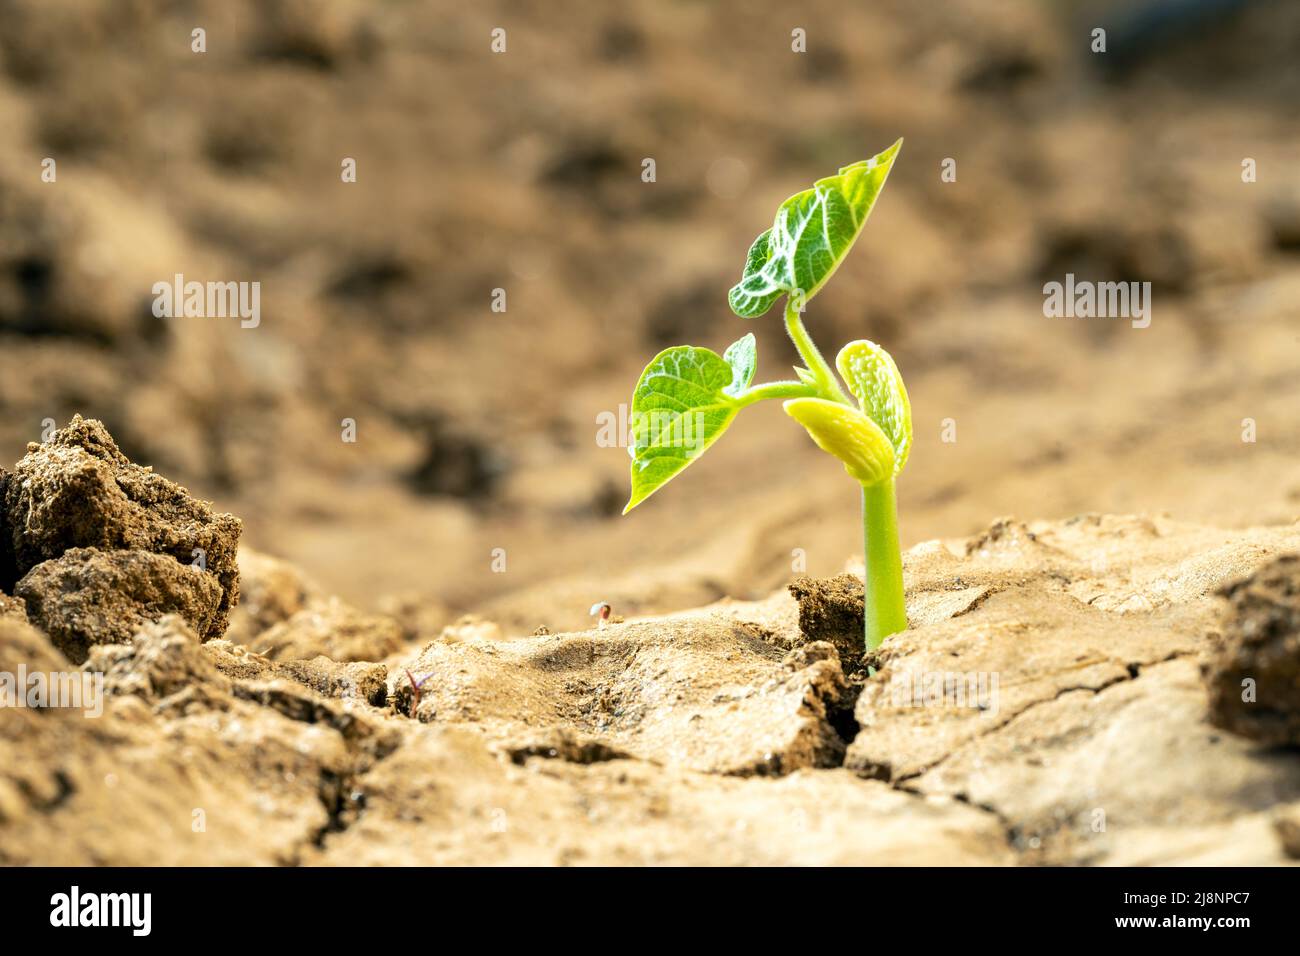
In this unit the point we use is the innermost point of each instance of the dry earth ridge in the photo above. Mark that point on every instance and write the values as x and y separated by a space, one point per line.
741 732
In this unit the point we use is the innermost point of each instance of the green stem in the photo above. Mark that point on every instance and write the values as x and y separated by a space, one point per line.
885 611
827 384
758 393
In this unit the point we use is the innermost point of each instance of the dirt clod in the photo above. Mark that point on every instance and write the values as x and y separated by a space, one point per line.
86 596
1286 824
1254 676
162 659
830 609
8 570
809 654
78 491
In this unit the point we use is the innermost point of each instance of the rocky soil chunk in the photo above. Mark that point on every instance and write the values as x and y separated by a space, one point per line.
830 609
8 570
186 765
140 545
86 596
1253 676
1286 824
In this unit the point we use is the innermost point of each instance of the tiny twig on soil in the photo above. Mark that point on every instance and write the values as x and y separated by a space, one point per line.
416 685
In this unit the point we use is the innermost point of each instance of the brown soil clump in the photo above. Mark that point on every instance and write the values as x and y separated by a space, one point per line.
162 660
1286 823
360 681
1254 676
86 596
830 609
78 491
8 569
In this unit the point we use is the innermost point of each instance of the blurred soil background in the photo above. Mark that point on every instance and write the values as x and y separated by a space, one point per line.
477 430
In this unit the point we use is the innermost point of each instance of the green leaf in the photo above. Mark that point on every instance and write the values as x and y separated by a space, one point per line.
874 380
759 285
849 435
812 234
682 403
742 356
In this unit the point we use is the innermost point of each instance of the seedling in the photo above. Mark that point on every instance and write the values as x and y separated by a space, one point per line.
601 610
416 687
688 396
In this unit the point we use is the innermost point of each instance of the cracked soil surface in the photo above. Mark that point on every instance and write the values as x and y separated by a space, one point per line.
1046 706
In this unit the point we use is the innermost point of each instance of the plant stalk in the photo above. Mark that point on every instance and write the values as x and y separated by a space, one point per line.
884 611
768 390
827 383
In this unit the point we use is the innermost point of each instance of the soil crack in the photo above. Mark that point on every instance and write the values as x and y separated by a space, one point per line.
1133 672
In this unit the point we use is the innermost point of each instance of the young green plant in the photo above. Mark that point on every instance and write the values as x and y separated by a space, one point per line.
688 396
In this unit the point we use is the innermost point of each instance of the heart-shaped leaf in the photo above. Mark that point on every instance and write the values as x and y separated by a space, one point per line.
684 400
873 378
849 435
812 234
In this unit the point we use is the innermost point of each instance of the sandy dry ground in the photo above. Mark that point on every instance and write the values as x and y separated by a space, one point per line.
1058 698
